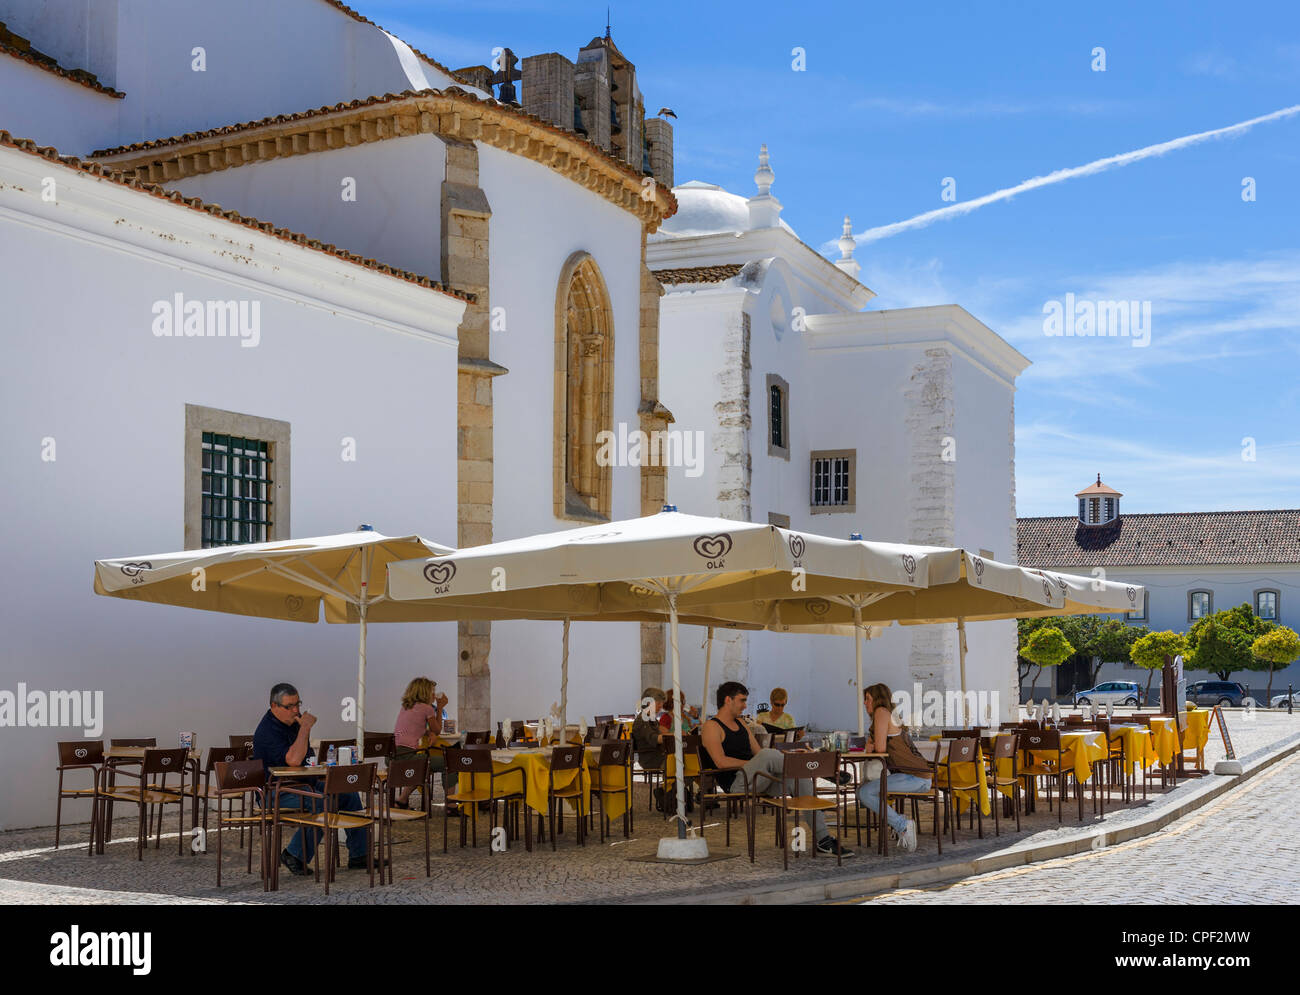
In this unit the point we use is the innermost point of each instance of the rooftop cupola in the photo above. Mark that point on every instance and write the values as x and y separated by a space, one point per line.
1098 504
847 244
764 209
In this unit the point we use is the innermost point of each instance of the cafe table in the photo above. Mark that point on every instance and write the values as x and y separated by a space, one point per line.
535 765
1139 748
1164 732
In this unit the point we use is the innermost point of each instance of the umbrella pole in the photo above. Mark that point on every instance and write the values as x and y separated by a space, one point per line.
361 656
961 652
564 686
857 652
678 753
708 654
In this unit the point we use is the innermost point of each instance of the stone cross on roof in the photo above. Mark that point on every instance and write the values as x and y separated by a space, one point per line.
506 77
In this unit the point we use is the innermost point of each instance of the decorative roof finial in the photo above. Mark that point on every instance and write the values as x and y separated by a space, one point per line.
847 244
1099 478
764 209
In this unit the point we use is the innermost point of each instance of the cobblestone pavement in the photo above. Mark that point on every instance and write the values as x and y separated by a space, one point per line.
31 871
1241 849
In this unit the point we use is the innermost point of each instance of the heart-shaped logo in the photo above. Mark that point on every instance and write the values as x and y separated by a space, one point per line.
1047 590
1060 582
81 753
978 563
1035 739
410 772
165 761
796 546
640 592
133 569
713 547
353 778
965 750
818 607
466 761
909 564
812 764
230 758
439 573
1132 594
240 775
292 604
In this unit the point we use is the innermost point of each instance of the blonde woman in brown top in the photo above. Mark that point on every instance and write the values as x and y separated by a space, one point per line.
908 770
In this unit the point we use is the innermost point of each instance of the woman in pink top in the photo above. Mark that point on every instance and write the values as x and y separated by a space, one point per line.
421 716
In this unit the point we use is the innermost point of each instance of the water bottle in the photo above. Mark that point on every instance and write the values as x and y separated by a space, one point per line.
333 758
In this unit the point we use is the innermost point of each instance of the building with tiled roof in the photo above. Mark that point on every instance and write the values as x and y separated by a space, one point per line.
1191 564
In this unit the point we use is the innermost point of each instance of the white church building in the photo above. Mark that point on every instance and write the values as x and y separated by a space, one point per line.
257 291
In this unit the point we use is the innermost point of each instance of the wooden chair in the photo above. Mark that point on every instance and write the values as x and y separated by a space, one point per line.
602 719
241 780
477 738
78 755
242 740
378 746
737 796
477 764
148 793
1005 747
961 751
339 781
208 793
1052 769
412 772
567 758
615 759
800 767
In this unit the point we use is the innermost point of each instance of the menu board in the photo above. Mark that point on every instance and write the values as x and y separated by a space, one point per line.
1227 739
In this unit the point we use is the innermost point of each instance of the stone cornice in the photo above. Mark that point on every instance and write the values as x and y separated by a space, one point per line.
450 114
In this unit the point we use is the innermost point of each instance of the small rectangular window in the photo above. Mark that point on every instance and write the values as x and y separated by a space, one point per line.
832 483
778 417
1266 605
1139 614
1199 605
236 500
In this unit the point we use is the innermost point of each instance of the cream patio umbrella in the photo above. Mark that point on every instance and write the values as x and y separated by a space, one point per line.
963 587
287 580
670 563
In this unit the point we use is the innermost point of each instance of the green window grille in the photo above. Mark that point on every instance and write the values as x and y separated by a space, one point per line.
236 490
778 422
830 481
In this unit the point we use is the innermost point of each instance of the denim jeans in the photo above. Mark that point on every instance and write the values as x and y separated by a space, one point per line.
869 796
303 845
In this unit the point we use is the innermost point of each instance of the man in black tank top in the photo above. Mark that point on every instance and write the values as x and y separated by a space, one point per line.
733 750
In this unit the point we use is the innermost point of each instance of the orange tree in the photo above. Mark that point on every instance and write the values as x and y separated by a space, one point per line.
1149 652
1277 649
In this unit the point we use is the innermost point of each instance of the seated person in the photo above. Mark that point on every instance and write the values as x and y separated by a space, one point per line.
731 746
908 770
281 740
648 733
777 715
690 717
420 717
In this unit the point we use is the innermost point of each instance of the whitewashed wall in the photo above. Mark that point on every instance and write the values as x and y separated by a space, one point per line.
539 219
344 352
260 59
51 110
395 218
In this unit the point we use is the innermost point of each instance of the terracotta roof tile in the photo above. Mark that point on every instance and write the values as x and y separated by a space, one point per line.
43 61
1174 539
95 169
698 274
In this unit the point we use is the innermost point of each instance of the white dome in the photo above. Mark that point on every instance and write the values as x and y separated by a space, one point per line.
707 209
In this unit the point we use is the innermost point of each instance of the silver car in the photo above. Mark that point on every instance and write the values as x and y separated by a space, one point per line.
1111 693
1279 700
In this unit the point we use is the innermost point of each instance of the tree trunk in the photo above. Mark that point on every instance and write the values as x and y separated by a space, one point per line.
1033 684
1150 674
1268 695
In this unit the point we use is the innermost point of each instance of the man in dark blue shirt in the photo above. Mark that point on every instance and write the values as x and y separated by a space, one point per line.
282 740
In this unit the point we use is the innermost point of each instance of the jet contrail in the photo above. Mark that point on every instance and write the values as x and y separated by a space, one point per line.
1060 175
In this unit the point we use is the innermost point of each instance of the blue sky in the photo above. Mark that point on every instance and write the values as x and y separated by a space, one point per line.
896 97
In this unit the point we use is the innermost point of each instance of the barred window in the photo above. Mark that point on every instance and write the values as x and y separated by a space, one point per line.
1199 605
1266 605
778 421
832 481
778 417
236 506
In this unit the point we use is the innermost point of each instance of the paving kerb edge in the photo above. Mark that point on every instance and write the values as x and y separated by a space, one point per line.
795 892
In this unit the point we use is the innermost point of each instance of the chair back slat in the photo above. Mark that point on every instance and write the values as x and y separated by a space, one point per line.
469 761
476 738
799 766
1004 746
408 773
602 719
375 745
615 753
165 761
963 751
240 739
343 780
242 775
224 754
81 753
566 758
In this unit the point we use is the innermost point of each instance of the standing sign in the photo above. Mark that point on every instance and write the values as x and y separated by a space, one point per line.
1229 752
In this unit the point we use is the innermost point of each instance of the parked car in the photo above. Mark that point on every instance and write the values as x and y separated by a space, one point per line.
1111 693
1279 700
1217 693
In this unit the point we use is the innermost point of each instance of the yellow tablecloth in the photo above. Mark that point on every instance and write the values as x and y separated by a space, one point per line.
535 766
1139 749
1081 750
1165 733
670 770
959 772
1197 733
